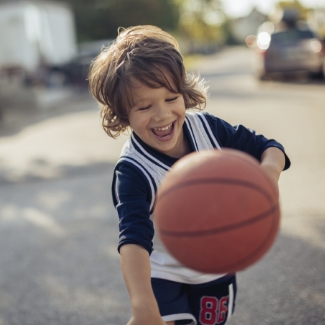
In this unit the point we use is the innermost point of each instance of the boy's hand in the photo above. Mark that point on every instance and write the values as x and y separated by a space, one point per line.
146 321
147 313
273 162
274 176
136 269
273 173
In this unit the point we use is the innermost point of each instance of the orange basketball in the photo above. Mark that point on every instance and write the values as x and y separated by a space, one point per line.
217 211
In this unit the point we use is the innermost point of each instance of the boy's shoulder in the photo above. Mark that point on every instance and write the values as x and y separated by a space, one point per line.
205 121
202 116
129 157
193 114
127 147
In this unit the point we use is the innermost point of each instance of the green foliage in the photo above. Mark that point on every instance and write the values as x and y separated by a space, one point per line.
201 20
228 33
195 20
100 19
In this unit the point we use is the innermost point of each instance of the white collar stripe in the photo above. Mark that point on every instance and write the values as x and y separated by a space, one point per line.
191 133
148 155
208 128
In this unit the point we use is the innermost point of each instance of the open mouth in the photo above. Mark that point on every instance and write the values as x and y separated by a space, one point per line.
165 132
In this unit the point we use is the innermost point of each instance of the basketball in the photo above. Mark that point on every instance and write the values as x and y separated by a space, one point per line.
217 211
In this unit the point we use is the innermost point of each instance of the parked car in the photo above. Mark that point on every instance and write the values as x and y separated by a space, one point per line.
77 70
291 50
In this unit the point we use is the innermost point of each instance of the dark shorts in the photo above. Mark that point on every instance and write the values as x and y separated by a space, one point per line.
202 304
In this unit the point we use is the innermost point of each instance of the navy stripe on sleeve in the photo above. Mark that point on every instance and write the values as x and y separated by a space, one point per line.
133 207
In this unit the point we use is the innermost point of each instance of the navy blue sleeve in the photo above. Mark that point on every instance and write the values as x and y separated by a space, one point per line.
241 138
132 197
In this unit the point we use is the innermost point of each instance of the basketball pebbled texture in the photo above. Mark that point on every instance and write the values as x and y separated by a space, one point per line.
217 211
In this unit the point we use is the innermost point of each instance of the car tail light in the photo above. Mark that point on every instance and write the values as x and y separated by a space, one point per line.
316 46
323 47
263 40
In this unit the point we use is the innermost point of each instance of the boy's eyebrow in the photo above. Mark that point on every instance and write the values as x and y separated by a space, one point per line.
141 100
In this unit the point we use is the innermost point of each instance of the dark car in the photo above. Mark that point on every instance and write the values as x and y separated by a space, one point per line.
291 50
77 70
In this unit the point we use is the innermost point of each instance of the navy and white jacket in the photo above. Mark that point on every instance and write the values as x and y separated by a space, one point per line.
140 170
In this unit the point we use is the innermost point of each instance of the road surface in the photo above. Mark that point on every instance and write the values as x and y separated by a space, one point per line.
59 230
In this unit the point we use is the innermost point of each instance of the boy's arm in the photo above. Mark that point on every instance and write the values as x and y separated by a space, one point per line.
241 138
136 270
273 161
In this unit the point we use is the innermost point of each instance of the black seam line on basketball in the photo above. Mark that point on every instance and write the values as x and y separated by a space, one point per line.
256 252
221 229
261 173
258 249
217 181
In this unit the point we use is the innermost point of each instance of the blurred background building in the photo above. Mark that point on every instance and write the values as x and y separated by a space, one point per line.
46 46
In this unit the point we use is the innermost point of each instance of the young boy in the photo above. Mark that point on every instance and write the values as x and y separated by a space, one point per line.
141 83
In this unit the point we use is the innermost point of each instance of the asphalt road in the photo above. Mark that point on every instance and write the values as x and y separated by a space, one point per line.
58 227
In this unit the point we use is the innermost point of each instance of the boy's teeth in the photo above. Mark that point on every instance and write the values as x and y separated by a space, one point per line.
163 129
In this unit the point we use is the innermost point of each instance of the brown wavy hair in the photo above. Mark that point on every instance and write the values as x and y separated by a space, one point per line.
144 53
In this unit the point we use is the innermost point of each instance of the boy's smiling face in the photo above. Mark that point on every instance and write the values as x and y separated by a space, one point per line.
157 117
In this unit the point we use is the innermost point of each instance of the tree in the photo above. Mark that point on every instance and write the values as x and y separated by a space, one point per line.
100 19
201 20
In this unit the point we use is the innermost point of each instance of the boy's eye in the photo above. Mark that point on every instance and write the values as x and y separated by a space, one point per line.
144 108
171 99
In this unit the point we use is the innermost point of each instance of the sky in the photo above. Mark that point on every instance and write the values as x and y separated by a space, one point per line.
237 8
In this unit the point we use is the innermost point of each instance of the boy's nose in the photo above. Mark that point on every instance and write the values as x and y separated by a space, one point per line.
162 112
